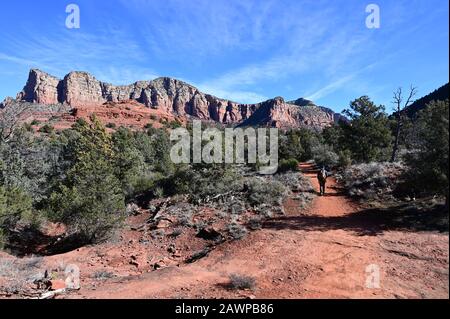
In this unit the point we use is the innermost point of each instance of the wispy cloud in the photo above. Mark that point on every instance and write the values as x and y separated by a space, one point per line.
330 88
67 50
314 45
246 51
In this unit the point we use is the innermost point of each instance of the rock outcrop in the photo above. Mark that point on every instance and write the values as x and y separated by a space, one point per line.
41 88
286 115
171 96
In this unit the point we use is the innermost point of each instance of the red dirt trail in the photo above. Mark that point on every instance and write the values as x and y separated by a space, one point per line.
320 253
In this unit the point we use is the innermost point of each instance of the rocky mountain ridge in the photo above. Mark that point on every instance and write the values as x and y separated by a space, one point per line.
179 99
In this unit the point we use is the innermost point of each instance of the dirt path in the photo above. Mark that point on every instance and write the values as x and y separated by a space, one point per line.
321 253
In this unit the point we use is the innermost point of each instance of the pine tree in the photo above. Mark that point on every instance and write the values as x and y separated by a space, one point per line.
429 165
367 136
90 199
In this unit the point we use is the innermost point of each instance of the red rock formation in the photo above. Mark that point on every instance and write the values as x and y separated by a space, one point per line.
170 97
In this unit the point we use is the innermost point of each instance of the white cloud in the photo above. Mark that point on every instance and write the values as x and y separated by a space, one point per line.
236 96
330 88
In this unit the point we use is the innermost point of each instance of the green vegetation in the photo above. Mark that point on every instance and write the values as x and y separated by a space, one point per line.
86 176
15 206
47 128
290 164
89 199
429 159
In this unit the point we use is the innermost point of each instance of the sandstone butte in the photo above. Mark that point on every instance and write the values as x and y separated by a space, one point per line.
79 95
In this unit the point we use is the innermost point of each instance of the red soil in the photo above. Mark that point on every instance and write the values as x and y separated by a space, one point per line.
321 253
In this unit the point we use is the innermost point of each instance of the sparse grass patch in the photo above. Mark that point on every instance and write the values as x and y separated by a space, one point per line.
237 231
102 275
241 282
255 223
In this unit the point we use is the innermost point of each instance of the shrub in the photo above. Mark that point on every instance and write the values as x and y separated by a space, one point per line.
175 124
102 275
345 159
264 191
239 282
47 129
28 127
429 160
237 231
372 181
255 223
15 206
296 182
324 155
290 164
111 125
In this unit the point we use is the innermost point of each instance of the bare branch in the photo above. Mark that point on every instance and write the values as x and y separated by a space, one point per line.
412 93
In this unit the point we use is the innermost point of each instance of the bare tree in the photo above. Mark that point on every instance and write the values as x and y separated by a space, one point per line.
10 118
400 109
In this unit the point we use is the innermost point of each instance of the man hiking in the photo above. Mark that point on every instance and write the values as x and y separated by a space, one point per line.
322 178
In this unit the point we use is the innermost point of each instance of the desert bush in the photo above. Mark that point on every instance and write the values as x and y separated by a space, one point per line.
47 128
15 206
264 191
240 282
286 165
17 275
255 223
29 162
102 275
295 181
372 181
304 199
236 230
324 155
345 159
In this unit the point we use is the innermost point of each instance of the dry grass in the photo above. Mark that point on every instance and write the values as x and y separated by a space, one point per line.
241 282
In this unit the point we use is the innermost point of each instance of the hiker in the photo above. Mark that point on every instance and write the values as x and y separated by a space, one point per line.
322 177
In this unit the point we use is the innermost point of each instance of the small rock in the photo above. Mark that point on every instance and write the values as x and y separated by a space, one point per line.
57 284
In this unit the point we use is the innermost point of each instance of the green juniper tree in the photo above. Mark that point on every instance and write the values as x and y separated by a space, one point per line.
90 199
367 136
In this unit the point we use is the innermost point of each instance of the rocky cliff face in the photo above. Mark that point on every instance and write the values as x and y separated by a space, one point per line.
286 115
40 88
171 96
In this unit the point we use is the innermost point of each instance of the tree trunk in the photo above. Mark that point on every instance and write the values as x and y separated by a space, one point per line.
397 138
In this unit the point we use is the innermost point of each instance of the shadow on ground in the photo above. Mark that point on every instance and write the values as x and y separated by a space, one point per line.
371 222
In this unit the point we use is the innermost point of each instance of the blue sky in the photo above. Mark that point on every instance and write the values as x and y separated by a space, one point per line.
247 51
